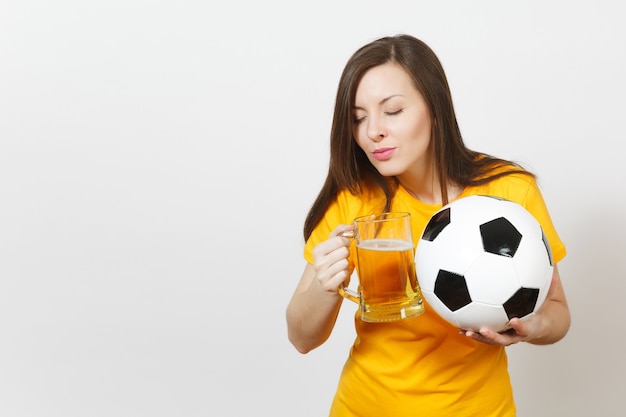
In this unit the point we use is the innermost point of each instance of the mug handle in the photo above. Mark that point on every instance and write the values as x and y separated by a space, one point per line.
349 294
343 291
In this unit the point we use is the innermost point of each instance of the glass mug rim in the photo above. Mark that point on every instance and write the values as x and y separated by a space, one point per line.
375 218
384 216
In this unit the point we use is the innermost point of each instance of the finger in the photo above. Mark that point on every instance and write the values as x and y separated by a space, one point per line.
341 229
488 336
341 267
505 338
476 336
521 327
329 245
333 269
334 277
324 258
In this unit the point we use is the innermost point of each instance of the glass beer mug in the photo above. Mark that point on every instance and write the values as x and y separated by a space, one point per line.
388 289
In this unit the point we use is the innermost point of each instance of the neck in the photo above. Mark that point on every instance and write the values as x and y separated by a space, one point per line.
422 182
429 191
424 186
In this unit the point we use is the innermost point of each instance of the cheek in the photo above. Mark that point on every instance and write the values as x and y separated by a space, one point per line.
359 138
419 131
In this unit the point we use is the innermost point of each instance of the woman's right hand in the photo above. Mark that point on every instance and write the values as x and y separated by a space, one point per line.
330 259
315 304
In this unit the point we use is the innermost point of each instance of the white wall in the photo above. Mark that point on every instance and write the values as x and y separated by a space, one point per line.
157 159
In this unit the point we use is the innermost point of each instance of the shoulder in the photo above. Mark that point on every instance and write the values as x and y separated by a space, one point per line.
366 201
511 182
515 182
346 206
524 190
343 210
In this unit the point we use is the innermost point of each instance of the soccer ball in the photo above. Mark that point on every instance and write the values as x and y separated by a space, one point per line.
483 260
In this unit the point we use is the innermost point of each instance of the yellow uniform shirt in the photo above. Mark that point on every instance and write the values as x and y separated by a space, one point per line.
422 366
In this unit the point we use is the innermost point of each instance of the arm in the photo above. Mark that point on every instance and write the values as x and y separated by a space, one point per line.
548 325
315 304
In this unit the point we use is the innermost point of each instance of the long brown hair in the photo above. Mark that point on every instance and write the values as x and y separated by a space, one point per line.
349 167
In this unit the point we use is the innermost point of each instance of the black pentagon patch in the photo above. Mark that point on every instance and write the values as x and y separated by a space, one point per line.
521 303
436 224
547 244
500 237
451 289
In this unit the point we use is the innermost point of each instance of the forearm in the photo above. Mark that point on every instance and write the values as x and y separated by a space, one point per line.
311 316
548 325
555 316
555 322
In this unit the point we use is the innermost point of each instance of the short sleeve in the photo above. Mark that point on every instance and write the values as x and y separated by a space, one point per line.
536 205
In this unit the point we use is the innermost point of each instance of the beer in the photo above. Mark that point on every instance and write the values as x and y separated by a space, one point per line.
388 283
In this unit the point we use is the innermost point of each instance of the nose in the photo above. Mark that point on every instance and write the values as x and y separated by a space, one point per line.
375 129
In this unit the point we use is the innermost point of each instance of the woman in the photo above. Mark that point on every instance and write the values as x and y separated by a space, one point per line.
396 146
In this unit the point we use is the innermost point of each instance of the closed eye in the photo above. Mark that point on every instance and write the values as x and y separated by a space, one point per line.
358 121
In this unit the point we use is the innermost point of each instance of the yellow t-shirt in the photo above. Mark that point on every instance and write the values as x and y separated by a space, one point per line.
422 366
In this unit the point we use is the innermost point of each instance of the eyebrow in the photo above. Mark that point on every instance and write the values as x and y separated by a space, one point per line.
383 101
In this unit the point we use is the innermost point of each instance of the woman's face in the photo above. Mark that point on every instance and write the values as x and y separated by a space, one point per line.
392 122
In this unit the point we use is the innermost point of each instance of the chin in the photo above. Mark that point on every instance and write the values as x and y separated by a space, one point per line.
389 172
388 168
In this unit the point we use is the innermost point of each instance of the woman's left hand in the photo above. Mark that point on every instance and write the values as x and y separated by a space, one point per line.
519 331
547 325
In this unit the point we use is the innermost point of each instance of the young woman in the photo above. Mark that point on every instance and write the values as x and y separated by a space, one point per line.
396 146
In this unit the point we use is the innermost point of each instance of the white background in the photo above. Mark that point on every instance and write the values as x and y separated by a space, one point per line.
157 160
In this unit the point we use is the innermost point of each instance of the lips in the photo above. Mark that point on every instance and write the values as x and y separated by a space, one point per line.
383 154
